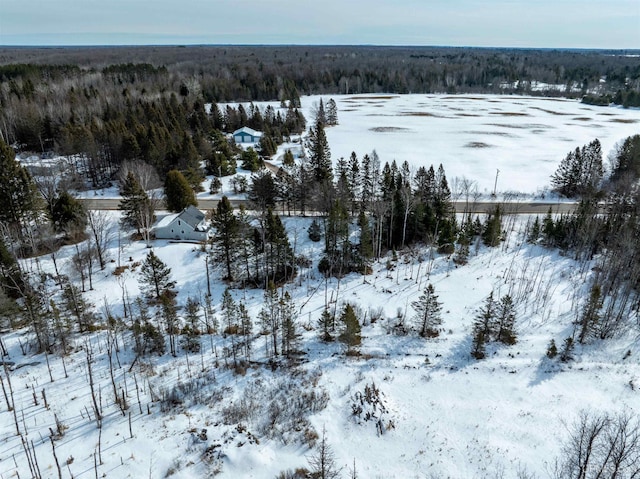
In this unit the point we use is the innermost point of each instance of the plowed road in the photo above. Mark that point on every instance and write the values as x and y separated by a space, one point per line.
460 206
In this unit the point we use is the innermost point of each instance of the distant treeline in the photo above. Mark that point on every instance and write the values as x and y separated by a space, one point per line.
111 104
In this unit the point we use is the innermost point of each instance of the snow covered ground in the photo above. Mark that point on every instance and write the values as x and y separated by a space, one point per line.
447 415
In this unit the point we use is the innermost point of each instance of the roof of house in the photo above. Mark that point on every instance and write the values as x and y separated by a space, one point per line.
192 216
248 131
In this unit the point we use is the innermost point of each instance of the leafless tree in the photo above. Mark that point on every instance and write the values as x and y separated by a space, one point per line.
601 446
101 234
146 174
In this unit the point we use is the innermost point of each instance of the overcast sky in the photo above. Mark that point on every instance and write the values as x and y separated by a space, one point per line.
502 23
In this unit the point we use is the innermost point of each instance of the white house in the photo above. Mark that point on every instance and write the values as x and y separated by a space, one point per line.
188 225
247 135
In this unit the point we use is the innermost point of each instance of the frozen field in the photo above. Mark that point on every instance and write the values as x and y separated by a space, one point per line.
472 136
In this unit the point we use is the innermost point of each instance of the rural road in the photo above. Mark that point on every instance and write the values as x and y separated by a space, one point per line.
460 206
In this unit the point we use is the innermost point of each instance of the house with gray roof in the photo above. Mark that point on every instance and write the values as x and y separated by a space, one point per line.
188 225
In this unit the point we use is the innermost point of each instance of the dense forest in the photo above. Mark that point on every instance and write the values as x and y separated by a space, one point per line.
77 100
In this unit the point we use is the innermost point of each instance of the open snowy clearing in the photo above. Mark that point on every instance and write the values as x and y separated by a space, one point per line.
446 414
472 136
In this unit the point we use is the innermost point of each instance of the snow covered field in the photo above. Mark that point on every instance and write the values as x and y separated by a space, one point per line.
446 414
472 136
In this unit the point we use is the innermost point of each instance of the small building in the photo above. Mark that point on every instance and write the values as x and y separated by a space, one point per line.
247 135
188 225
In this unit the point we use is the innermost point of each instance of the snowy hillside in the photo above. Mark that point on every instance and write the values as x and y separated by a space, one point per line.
438 412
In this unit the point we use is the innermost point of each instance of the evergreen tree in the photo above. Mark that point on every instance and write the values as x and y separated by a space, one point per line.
191 331
68 215
428 310
482 326
11 278
332 112
350 334
505 321
492 231
134 202
20 201
250 160
246 329
75 305
226 240
178 193
155 276
326 323
169 314
552 349
567 350
590 317
319 154
288 314
315 231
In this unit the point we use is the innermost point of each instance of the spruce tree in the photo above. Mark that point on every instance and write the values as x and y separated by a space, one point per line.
590 317
505 321
178 192
482 326
191 331
428 309
225 242
20 201
319 154
288 315
155 276
134 201
350 334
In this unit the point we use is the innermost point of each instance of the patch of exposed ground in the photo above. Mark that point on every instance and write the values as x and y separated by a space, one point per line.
551 112
508 113
477 144
624 120
421 113
388 129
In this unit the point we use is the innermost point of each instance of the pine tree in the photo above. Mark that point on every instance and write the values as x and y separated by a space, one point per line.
319 154
315 232
428 310
191 332
505 321
288 315
20 201
155 276
246 329
169 314
482 327
134 201
332 112
68 215
326 324
567 350
75 305
492 231
552 349
225 242
590 317
350 334
178 192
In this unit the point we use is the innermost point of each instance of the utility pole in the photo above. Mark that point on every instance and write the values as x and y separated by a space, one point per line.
495 185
